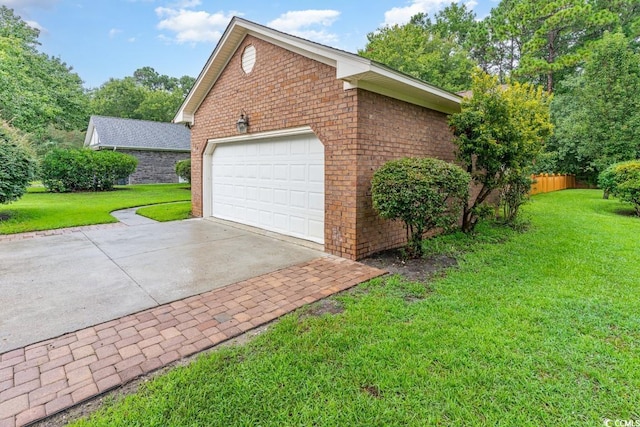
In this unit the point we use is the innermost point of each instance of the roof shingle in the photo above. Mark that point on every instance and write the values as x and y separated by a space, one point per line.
115 132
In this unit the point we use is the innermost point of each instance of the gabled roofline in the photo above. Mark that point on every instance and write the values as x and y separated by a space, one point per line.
354 70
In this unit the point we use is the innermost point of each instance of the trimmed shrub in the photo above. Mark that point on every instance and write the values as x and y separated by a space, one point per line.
83 170
62 171
183 170
109 167
17 164
424 193
622 180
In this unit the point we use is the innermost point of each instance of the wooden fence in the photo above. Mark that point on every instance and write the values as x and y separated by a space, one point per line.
547 183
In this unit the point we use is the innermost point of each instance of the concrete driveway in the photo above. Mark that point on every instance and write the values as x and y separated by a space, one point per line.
58 284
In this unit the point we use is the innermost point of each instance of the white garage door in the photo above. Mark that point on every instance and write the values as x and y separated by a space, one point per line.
275 184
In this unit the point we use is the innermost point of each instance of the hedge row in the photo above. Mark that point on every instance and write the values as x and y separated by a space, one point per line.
85 170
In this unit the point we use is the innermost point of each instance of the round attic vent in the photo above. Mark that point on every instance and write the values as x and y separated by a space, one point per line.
248 58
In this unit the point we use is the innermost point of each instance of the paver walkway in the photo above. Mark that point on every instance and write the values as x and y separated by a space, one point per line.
47 377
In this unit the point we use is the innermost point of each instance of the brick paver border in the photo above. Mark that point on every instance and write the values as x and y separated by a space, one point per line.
45 378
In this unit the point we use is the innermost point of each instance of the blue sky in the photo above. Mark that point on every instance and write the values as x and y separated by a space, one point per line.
112 38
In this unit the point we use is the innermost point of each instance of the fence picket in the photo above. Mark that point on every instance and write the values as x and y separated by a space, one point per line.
546 183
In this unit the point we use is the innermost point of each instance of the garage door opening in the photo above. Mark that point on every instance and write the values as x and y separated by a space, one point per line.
271 182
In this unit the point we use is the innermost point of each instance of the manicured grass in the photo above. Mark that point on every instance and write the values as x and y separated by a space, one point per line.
539 330
167 211
39 210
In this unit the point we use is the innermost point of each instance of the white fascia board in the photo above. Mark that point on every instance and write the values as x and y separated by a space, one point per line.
89 134
406 80
183 117
350 69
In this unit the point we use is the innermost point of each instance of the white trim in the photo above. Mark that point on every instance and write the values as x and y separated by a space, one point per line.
207 157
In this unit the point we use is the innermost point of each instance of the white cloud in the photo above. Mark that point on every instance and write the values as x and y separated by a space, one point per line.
22 8
186 4
402 15
308 24
131 39
36 25
114 32
192 26
471 4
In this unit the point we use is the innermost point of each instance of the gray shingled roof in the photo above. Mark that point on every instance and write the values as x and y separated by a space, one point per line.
138 134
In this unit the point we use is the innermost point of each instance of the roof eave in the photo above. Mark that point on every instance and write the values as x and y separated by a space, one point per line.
354 70
384 81
120 148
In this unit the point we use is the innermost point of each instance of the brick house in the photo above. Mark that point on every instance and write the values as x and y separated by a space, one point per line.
320 122
157 146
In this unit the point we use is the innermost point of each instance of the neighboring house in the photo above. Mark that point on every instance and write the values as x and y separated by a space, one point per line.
320 122
157 146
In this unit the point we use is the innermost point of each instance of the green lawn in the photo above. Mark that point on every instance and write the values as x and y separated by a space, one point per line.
167 211
39 210
539 330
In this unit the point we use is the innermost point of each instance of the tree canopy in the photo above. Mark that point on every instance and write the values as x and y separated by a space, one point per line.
431 51
498 134
42 96
598 114
146 95
36 90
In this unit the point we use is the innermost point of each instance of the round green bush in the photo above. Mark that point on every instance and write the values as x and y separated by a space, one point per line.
17 164
424 193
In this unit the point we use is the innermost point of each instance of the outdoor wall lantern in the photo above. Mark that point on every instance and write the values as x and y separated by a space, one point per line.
242 125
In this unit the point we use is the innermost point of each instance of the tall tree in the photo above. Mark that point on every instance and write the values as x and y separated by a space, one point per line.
118 98
498 134
598 114
428 50
146 95
548 38
36 90
496 43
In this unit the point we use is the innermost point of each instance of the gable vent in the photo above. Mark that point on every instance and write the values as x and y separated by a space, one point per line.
248 58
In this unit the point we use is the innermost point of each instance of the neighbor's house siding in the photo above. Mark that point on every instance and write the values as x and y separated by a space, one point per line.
155 167
360 130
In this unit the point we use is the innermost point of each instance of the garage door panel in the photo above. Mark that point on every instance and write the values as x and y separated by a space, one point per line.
316 201
281 172
298 199
275 184
281 197
316 174
316 227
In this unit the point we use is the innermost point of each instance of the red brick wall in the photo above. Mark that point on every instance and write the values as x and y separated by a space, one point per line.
391 129
360 130
286 90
